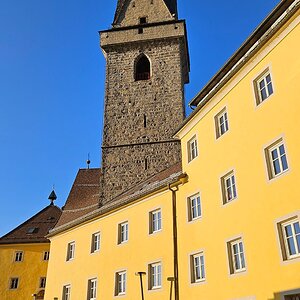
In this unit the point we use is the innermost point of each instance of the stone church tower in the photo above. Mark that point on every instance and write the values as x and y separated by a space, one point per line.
147 66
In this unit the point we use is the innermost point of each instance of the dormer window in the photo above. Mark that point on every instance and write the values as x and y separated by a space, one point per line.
32 230
142 69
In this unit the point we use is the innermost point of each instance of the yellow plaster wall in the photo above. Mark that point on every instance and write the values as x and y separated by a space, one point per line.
260 201
133 256
29 271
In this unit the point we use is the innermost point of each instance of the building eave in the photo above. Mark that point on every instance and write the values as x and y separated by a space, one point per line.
174 179
280 15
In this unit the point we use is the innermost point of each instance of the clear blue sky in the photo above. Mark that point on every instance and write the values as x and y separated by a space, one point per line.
52 86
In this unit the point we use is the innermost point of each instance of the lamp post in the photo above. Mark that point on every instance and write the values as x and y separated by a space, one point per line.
172 279
141 282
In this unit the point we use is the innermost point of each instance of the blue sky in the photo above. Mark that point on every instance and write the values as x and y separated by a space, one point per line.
52 86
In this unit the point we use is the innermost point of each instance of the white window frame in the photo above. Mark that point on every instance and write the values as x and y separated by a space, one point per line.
197 267
222 114
229 189
19 256
123 232
66 294
294 236
14 283
71 251
46 255
95 244
280 157
192 147
155 218
258 90
92 289
194 207
155 276
120 283
42 283
240 255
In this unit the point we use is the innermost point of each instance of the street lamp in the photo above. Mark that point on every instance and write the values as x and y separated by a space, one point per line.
141 282
172 279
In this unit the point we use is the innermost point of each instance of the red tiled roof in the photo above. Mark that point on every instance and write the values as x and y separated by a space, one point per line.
83 197
80 213
34 229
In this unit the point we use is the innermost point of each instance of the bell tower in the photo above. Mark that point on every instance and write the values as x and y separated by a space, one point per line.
147 65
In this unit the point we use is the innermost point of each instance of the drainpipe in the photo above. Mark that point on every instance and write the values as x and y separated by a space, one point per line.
175 244
141 282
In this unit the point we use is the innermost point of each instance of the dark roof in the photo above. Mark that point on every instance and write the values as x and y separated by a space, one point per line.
75 216
171 4
246 46
34 229
83 197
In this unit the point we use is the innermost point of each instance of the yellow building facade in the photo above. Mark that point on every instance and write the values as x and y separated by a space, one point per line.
246 173
224 224
24 256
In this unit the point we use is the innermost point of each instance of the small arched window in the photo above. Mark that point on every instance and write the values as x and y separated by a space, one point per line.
142 69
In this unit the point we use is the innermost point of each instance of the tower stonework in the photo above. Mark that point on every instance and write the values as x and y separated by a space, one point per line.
147 65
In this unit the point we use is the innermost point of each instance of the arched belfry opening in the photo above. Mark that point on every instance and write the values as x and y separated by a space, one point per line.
142 68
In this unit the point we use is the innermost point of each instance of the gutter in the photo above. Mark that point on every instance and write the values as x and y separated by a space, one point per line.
121 203
226 73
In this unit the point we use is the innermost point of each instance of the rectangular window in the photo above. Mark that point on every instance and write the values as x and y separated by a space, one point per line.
276 159
263 87
194 207
42 284
46 255
155 221
192 149
92 289
221 121
120 283
155 276
71 251
14 283
18 256
236 256
198 268
292 297
95 242
290 238
123 232
228 183
66 292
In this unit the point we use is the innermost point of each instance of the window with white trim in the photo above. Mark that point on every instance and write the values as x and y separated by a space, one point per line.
192 148
71 251
194 207
14 283
92 289
123 233
155 270
95 242
42 284
290 238
236 256
66 294
19 256
221 121
155 221
276 159
229 187
197 267
263 87
120 283
46 255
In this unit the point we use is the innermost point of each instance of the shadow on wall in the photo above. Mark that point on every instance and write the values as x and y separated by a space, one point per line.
287 295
